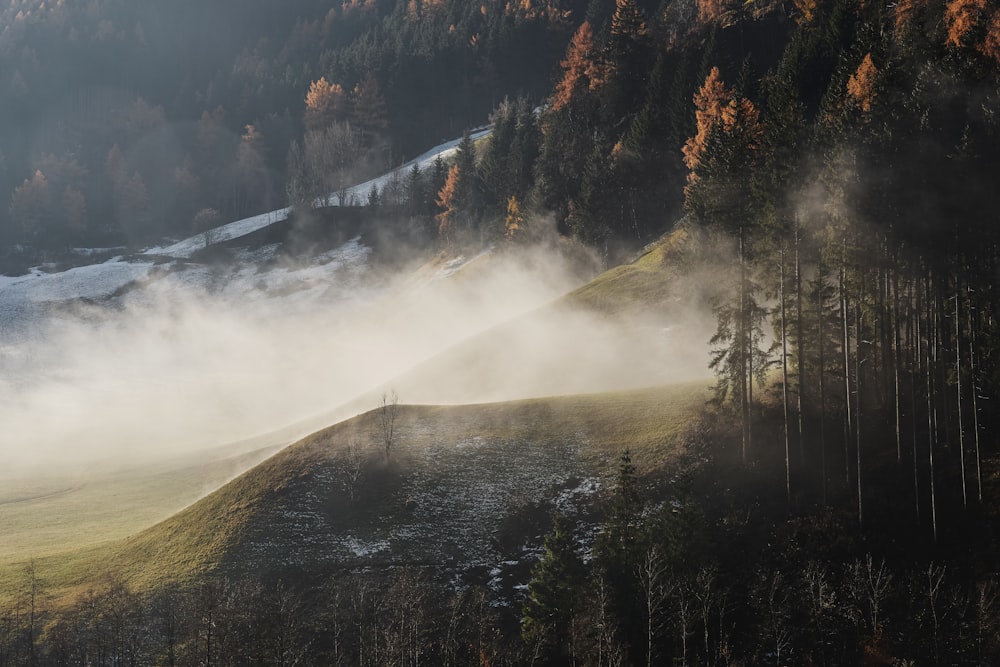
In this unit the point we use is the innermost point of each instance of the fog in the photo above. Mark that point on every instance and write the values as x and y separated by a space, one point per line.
202 358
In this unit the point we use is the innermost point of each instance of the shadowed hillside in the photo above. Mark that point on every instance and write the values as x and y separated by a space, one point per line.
458 482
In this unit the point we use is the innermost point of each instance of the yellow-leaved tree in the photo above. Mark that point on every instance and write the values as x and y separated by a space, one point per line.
324 104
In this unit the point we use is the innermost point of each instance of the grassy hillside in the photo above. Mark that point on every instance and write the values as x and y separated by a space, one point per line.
648 282
488 465
67 523
466 487
455 477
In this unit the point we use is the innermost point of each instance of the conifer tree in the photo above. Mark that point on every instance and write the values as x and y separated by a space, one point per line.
554 594
626 60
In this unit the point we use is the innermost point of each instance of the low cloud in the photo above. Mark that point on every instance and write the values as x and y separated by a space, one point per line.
207 357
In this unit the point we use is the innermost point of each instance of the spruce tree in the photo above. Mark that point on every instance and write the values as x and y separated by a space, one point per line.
554 594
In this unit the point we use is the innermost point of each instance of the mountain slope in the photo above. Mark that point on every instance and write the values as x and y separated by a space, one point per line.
459 486
467 486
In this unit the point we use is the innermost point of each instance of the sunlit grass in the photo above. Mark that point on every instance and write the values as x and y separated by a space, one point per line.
67 524
201 537
648 282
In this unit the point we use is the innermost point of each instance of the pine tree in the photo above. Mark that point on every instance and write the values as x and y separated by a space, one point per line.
554 594
621 533
460 200
415 191
368 109
626 57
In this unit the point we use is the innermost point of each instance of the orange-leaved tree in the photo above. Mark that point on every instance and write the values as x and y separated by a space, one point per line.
715 11
709 101
582 69
904 13
447 201
961 18
861 85
325 103
990 46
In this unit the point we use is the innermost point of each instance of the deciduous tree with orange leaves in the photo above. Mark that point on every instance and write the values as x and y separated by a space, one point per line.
904 13
447 201
960 18
990 46
514 221
806 11
325 102
728 137
861 84
709 102
581 68
714 11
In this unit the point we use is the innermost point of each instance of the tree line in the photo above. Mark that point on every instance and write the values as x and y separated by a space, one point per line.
125 120
863 255
656 586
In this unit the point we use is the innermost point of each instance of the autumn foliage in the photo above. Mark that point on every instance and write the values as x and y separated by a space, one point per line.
719 109
514 221
991 42
961 18
806 11
904 14
709 102
581 68
714 11
447 201
324 102
861 84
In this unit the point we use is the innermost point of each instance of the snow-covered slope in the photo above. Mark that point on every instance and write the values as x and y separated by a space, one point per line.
27 300
359 193
227 232
354 195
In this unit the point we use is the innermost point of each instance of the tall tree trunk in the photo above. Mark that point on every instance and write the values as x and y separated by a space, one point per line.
800 345
914 369
846 343
975 398
745 351
935 330
895 338
930 406
958 395
784 373
857 390
821 278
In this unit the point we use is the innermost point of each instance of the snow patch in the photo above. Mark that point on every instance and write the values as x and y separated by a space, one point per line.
352 196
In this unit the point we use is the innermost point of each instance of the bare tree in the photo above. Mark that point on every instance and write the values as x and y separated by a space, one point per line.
388 409
405 627
985 602
770 601
354 468
935 577
868 585
820 600
684 612
657 586
206 222
323 168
